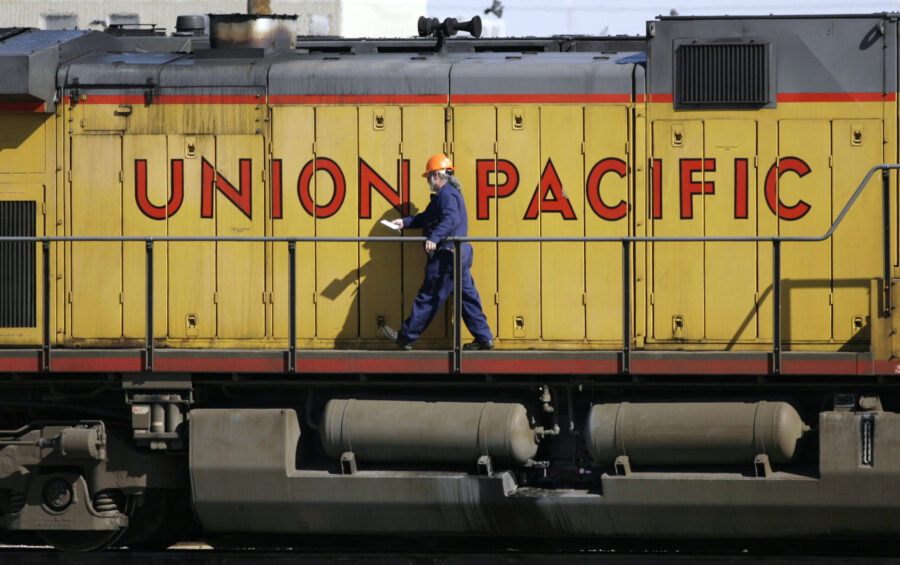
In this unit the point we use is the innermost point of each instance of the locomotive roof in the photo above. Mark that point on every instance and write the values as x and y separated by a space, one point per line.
293 73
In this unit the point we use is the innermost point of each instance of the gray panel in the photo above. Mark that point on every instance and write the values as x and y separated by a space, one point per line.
213 73
543 73
362 75
828 54
29 61
120 69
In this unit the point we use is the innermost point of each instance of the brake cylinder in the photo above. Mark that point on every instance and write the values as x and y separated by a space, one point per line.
399 431
693 433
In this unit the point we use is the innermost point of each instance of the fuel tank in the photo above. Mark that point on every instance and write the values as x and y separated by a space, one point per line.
428 432
693 433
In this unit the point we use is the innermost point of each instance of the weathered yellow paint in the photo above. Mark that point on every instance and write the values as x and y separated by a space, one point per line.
240 266
380 264
806 267
678 267
474 133
562 264
188 119
293 132
100 117
337 264
151 148
519 264
730 268
423 136
605 129
22 144
192 265
96 208
857 242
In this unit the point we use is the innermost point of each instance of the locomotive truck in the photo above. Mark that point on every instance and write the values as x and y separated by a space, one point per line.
685 243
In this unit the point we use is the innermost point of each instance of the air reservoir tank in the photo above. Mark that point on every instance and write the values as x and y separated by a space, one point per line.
693 433
402 431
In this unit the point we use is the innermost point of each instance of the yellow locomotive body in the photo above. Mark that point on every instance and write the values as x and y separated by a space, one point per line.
695 331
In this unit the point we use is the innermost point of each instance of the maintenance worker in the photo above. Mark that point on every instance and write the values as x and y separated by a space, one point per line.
444 217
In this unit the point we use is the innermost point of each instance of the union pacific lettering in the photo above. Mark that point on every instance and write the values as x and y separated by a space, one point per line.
494 179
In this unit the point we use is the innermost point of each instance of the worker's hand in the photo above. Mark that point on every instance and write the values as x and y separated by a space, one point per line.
398 223
430 246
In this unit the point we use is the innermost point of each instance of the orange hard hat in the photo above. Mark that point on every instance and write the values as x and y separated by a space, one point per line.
438 162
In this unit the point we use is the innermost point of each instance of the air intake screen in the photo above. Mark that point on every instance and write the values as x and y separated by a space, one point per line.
17 266
722 75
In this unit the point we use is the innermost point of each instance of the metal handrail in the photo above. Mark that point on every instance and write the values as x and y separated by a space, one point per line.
626 241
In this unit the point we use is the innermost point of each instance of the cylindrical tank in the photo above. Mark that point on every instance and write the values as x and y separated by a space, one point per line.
693 433
427 432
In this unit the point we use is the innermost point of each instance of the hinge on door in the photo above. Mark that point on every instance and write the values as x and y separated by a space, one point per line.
43 208
627 148
496 298
314 148
652 299
448 113
582 148
315 298
831 298
496 148
267 297
584 299
264 173
756 161
215 298
69 297
400 148
121 177
756 298
69 175
121 298
831 161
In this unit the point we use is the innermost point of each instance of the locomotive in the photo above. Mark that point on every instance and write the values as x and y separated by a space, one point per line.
685 244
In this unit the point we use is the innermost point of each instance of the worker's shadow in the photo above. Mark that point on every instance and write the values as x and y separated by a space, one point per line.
377 285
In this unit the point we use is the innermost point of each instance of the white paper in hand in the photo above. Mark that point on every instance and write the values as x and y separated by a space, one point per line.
390 225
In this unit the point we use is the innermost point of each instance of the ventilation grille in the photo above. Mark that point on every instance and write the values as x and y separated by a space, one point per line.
17 266
722 75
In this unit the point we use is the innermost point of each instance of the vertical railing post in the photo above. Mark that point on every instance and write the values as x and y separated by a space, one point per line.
626 306
886 221
292 306
45 254
148 353
457 306
776 306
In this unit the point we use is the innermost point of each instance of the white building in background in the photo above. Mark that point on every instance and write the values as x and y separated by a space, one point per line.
349 18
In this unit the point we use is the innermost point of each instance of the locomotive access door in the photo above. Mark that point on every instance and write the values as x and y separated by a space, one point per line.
608 177
96 210
730 210
240 212
482 119
856 244
293 129
192 265
677 282
515 171
800 186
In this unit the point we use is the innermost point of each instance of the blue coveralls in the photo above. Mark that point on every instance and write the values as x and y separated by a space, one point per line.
445 216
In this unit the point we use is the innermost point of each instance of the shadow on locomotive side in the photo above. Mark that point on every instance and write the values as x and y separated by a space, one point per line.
680 248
